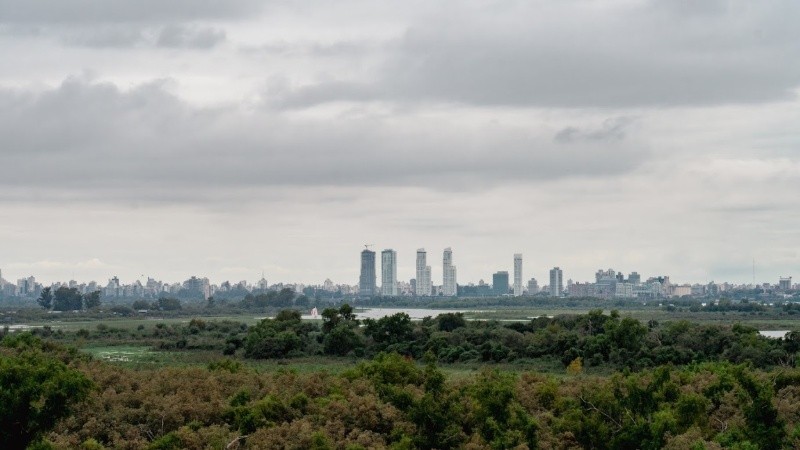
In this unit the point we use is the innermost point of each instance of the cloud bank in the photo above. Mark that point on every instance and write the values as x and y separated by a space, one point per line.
202 137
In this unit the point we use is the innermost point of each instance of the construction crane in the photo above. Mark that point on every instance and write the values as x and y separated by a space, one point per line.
367 246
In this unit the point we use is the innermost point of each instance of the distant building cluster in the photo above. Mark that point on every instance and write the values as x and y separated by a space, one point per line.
193 288
612 284
607 284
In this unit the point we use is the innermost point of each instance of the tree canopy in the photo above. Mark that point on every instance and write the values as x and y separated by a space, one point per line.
36 390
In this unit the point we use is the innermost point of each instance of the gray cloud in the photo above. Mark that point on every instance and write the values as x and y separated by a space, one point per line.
123 36
123 24
337 49
559 56
106 37
179 36
100 11
611 130
83 137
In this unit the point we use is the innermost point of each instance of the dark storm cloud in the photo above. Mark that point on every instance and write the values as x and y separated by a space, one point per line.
582 54
93 140
100 11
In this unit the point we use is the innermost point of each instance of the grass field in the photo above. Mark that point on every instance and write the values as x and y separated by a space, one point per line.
522 314
133 322
140 357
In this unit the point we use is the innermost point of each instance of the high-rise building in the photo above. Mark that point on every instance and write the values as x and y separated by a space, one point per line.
634 278
785 284
194 286
517 274
366 282
423 274
556 282
428 281
533 286
26 287
389 273
500 283
606 283
449 274
609 274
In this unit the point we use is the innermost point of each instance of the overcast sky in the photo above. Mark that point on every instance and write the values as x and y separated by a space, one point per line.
226 138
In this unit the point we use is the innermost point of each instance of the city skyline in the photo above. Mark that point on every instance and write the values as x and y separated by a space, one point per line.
369 271
608 284
472 267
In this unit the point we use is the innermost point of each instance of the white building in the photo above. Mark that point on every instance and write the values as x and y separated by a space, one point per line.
556 282
449 286
517 274
533 286
428 282
423 283
389 273
26 286
624 290
681 290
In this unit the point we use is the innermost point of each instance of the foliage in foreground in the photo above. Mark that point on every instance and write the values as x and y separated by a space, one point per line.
36 390
394 402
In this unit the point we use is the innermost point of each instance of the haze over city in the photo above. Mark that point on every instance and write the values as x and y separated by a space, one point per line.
223 139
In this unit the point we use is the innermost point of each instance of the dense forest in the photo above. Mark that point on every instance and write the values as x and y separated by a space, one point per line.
676 385
593 339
